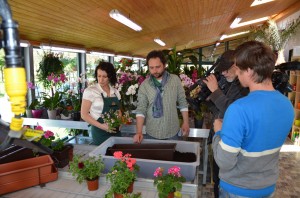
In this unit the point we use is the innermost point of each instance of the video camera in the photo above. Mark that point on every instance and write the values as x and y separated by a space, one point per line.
204 91
280 79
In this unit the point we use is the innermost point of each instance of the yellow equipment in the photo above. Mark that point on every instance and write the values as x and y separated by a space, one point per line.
15 84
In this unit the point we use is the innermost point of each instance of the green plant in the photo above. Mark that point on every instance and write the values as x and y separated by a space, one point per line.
89 168
114 119
49 141
175 59
168 183
52 102
132 195
35 104
122 174
50 63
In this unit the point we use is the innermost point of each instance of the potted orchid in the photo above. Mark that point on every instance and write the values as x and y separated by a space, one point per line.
170 183
122 175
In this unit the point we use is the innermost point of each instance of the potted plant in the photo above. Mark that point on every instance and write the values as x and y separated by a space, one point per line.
88 169
36 108
62 153
50 64
168 184
122 175
114 119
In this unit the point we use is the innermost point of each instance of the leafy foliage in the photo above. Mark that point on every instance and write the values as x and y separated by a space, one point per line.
176 59
50 64
270 34
86 169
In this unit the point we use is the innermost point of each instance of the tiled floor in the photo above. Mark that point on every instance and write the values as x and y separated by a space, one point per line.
288 185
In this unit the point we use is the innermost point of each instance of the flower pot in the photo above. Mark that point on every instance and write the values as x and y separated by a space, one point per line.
52 114
76 116
130 188
62 158
198 123
37 113
171 195
28 113
93 184
26 173
117 195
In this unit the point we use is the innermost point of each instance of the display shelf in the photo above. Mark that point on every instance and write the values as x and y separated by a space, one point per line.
294 97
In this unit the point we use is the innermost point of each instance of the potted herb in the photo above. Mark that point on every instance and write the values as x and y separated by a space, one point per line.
122 175
168 184
88 169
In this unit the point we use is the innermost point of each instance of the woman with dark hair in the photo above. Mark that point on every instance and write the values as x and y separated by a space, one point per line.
99 99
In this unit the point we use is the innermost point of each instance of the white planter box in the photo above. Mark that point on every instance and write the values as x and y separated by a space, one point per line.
147 167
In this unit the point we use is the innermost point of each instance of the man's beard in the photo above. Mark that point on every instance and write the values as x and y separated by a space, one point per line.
158 75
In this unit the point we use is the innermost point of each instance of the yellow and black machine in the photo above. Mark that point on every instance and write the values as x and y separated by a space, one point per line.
16 87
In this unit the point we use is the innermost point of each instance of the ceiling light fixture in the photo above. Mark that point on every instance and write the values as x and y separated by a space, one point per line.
121 56
224 36
236 22
24 43
159 42
217 44
102 54
115 14
259 2
61 48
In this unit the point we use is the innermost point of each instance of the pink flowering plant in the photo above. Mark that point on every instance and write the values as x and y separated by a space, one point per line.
171 182
86 168
114 119
122 174
48 140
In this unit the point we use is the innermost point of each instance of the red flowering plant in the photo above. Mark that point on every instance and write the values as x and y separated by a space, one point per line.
86 168
171 182
122 174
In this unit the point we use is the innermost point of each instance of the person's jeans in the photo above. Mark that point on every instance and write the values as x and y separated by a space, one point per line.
224 194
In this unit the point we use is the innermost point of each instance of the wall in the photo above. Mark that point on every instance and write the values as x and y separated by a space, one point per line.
295 39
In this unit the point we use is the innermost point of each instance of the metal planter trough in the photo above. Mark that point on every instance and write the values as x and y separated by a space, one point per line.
148 166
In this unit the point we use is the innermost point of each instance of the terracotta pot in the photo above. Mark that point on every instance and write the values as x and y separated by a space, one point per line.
171 195
93 184
26 173
116 195
130 188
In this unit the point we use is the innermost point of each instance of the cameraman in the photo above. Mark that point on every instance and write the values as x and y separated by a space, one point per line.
221 97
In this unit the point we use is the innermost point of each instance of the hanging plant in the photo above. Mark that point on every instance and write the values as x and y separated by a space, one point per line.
50 64
276 38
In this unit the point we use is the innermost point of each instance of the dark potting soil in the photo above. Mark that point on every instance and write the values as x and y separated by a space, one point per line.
177 157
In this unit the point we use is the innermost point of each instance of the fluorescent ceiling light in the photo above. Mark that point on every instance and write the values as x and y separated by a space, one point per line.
102 54
259 2
159 42
224 36
115 14
217 44
62 49
236 24
24 43
121 56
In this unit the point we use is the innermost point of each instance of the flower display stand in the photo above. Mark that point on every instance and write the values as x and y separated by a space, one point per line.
22 174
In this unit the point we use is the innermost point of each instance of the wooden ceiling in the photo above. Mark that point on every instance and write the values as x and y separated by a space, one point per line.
180 23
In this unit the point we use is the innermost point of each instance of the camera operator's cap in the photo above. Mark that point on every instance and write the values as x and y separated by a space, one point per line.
226 61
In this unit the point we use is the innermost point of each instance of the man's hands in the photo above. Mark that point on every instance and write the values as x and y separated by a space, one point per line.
185 129
138 138
211 82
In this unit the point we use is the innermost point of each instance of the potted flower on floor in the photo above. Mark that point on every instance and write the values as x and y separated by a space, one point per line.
169 184
89 169
122 175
